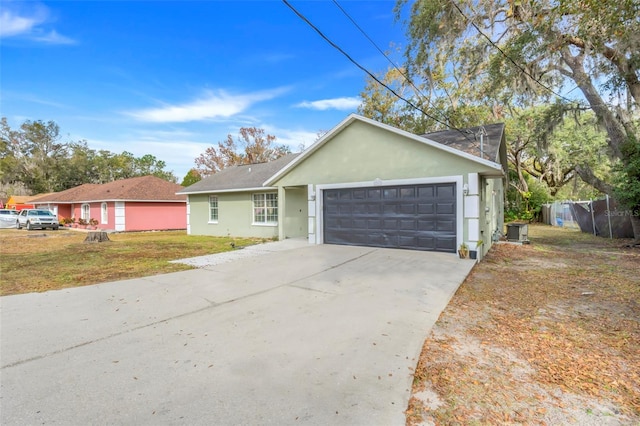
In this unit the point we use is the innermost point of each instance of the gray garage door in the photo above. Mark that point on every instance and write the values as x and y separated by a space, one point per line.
418 217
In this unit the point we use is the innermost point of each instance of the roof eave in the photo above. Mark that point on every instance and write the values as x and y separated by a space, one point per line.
219 191
130 200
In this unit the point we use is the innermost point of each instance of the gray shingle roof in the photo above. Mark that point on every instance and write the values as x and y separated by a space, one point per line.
469 140
240 177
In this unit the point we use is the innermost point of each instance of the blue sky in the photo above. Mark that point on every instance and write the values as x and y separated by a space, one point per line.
173 78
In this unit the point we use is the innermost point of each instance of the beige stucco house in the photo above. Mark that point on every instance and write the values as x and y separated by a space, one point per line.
365 183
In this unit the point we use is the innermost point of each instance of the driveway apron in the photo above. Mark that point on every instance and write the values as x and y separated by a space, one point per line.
317 335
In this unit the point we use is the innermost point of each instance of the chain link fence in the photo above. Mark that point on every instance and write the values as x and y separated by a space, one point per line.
598 217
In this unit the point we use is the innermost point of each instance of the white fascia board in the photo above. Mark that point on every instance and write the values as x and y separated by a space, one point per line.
220 191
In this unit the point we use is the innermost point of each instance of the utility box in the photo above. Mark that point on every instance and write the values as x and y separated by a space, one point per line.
517 232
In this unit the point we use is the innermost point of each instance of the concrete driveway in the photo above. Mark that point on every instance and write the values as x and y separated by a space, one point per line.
299 335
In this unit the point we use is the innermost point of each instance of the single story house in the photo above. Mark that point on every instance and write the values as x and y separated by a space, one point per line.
20 202
365 183
143 203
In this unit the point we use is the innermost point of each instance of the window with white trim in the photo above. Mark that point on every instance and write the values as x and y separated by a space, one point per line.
104 217
213 208
86 212
265 208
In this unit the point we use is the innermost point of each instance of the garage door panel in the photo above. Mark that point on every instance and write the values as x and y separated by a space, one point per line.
389 209
405 241
374 194
406 208
359 224
331 209
359 194
426 192
390 193
446 226
426 225
406 193
374 223
445 191
446 244
408 225
360 209
374 209
345 209
420 217
390 224
446 208
345 194
426 208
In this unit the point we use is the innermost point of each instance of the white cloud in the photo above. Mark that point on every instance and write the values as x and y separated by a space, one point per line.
12 25
211 106
53 37
336 103
294 139
29 26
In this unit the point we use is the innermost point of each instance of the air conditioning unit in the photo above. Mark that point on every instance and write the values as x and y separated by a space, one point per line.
518 232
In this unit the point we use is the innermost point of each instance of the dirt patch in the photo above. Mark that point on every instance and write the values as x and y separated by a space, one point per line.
547 333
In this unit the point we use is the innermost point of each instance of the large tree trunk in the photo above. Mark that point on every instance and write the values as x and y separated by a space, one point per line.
587 175
615 129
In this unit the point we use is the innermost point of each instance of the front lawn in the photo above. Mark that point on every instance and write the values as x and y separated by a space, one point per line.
34 261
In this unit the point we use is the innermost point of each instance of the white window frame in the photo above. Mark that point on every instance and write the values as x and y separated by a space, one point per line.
263 198
214 210
85 212
104 213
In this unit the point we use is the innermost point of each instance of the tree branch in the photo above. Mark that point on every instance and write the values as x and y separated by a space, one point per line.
617 58
587 175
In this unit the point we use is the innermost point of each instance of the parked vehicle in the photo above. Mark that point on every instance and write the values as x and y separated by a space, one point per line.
8 218
37 218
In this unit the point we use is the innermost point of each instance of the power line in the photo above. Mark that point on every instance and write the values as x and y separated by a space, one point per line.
406 77
505 55
369 73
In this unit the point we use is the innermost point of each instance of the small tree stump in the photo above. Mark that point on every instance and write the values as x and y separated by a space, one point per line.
96 237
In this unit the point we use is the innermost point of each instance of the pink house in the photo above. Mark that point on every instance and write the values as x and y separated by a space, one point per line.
143 203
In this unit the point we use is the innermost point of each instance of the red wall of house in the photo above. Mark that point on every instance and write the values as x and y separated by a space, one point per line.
139 216
155 216
64 210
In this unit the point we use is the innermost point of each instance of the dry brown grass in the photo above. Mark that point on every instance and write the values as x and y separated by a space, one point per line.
547 333
34 261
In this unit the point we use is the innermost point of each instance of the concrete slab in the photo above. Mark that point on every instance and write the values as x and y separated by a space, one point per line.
312 335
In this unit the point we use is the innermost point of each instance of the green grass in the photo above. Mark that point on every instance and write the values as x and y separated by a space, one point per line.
35 261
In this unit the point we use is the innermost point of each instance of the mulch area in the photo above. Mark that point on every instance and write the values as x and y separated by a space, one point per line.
546 333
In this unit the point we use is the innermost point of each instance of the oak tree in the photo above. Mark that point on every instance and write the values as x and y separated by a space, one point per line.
523 52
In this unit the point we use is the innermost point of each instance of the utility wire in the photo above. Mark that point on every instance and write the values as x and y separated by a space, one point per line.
505 55
369 73
405 75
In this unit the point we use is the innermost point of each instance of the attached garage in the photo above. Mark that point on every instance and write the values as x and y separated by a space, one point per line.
368 184
417 217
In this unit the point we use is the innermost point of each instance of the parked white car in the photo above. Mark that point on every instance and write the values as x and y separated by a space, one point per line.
8 218
37 218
